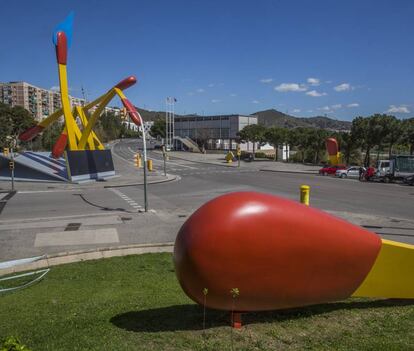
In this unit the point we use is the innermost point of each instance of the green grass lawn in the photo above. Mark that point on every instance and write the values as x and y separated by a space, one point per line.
135 303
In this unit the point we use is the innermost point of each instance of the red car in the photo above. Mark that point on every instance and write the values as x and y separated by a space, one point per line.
330 170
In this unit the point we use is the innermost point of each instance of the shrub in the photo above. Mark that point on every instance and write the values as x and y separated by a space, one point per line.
260 155
11 343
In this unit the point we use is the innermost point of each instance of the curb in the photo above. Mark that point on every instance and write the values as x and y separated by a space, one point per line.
87 255
173 177
297 172
203 162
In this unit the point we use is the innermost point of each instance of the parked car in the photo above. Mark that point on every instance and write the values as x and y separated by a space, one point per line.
351 172
330 170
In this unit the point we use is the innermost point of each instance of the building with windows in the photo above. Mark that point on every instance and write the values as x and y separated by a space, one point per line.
39 102
218 132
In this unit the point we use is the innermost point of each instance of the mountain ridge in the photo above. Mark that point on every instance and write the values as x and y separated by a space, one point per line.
272 118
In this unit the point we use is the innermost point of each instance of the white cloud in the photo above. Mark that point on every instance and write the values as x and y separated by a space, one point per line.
233 95
255 102
55 88
330 108
200 90
354 104
343 87
314 81
328 81
211 85
296 110
398 109
266 80
325 108
214 101
315 93
310 111
285 87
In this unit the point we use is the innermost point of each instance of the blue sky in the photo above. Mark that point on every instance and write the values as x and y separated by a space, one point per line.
335 57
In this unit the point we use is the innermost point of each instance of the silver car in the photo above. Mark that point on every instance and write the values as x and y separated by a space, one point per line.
351 172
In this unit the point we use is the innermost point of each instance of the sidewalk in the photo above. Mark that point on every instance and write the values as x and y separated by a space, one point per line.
258 164
117 181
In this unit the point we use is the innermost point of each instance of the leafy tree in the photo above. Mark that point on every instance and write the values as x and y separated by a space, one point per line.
275 136
110 127
392 131
202 137
408 133
369 131
50 135
13 121
298 138
252 133
158 128
315 142
348 145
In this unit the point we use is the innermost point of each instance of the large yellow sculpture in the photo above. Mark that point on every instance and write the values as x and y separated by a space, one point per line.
78 134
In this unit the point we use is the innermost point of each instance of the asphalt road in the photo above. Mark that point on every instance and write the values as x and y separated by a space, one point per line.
30 212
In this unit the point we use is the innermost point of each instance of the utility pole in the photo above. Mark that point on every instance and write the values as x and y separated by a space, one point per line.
169 122
12 168
164 154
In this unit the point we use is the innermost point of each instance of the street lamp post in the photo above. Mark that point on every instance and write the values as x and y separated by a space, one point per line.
144 146
136 117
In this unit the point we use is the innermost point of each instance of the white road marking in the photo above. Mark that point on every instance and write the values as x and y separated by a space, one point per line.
3 195
124 197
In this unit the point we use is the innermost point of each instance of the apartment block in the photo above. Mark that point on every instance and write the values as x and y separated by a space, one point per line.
39 102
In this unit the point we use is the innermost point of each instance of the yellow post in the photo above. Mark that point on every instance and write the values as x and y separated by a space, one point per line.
304 194
149 163
137 159
229 157
6 151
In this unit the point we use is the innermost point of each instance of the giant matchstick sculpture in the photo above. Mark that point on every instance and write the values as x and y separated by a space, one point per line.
333 151
281 254
78 139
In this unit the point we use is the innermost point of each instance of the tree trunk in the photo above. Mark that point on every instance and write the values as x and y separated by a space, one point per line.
254 150
276 150
390 151
367 157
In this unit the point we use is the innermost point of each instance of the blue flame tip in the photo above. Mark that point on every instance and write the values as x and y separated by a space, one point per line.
66 26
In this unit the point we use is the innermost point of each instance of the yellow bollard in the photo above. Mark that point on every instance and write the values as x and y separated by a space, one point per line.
304 194
229 157
137 160
149 163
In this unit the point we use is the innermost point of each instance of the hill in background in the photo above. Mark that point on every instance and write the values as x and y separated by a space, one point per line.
270 118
